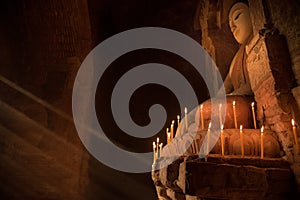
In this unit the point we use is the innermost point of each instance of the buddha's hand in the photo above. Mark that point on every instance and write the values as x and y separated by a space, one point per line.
244 89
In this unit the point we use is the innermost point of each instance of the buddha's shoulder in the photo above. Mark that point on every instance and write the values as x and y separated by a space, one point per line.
254 44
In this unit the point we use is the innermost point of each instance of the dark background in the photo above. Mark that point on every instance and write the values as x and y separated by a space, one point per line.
42 44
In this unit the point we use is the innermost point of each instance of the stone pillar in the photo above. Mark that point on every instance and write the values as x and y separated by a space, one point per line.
271 80
212 18
257 15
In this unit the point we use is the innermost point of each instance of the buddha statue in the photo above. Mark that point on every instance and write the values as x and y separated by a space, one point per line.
237 84
237 81
238 92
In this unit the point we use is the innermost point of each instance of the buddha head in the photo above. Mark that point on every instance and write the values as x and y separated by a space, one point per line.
240 22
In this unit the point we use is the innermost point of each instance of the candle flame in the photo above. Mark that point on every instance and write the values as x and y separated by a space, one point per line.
209 125
222 127
157 140
167 130
185 110
178 117
161 144
233 103
241 127
293 122
173 122
169 134
201 106
262 129
154 145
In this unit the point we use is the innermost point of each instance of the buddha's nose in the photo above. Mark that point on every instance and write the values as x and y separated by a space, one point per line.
232 27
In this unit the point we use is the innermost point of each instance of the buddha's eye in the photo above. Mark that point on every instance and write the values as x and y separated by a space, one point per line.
237 16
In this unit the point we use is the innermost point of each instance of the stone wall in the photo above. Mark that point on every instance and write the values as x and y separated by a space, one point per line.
283 15
42 45
45 41
191 178
271 82
217 40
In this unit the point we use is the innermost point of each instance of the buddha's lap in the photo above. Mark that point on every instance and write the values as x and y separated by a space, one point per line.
243 112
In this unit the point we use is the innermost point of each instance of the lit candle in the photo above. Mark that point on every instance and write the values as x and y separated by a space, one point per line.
253 114
178 122
201 116
222 139
157 146
168 136
186 119
208 139
234 114
262 142
160 149
220 115
172 129
295 137
154 152
242 140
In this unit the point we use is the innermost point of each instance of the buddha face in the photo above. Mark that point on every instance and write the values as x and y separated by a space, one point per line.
240 22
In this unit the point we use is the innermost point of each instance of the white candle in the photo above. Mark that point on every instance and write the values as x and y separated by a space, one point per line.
222 139
178 122
157 144
208 139
234 114
201 116
172 130
186 119
220 115
295 137
168 136
253 114
242 140
154 152
262 142
160 149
